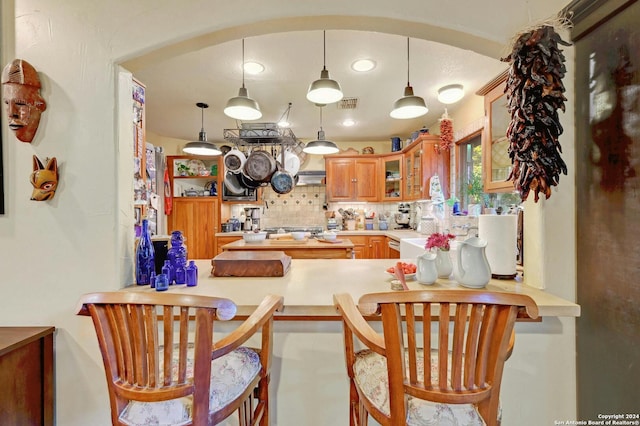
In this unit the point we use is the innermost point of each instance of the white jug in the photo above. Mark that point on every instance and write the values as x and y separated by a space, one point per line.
472 269
426 271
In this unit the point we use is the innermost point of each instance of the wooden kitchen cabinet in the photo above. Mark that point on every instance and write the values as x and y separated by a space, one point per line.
352 178
198 218
369 246
391 177
193 175
423 159
26 376
222 240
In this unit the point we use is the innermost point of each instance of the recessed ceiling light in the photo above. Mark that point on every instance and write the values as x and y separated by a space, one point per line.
363 65
348 122
253 68
451 93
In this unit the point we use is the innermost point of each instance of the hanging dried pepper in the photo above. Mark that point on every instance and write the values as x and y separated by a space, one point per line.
534 92
446 131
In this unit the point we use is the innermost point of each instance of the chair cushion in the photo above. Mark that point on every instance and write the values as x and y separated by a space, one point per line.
230 376
370 370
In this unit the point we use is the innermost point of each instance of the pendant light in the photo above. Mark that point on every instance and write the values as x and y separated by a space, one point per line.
324 90
408 106
242 107
201 146
284 118
321 146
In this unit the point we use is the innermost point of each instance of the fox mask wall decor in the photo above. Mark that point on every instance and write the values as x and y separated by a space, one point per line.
44 179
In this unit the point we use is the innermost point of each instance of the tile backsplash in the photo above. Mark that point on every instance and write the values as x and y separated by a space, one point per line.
307 206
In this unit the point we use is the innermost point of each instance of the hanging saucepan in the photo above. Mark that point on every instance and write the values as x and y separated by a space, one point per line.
260 166
282 181
232 182
247 182
234 160
291 162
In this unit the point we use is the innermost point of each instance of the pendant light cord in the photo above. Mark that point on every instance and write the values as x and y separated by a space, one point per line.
242 65
324 51
202 118
320 118
408 84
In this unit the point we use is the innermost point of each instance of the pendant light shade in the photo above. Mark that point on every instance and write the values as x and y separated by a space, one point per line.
410 105
201 146
324 90
242 107
321 146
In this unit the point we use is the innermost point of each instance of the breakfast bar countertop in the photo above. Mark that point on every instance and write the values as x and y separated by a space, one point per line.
310 284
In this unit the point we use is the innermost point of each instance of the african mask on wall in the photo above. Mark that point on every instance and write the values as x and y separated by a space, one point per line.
22 100
44 179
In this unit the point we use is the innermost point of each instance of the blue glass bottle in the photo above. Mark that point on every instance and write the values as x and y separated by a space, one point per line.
167 269
145 262
192 274
177 255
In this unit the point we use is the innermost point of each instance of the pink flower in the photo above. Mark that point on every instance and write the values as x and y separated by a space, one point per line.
439 240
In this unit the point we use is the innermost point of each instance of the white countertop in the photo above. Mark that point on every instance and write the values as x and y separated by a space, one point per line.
309 286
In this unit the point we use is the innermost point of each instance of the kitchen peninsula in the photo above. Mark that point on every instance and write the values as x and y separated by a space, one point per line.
303 249
308 367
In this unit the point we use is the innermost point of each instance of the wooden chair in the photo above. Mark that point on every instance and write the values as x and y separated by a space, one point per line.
163 365
471 337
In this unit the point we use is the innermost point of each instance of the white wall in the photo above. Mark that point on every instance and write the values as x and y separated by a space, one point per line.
52 252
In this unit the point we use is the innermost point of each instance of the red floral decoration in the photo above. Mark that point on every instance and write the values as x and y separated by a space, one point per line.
440 241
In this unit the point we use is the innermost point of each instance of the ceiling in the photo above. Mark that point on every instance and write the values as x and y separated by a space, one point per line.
292 60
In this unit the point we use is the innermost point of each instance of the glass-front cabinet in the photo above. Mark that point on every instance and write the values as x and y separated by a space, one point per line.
392 178
495 145
413 171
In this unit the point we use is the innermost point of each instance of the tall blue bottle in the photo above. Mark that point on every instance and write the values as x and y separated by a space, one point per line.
177 255
145 263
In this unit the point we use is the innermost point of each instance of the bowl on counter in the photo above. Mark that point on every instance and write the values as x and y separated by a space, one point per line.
330 236
254 237
298 235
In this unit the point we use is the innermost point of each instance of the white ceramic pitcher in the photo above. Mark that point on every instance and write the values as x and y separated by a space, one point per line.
472 269
426 271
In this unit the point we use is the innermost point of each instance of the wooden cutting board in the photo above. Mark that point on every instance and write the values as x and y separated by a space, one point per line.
251 263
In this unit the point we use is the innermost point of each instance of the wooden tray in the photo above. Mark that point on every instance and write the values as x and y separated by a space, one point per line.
287 241
322 240
251 263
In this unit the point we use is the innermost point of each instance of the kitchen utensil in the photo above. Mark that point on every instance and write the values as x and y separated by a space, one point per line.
400 275
291 162
260 166
248 182
282 181
298 235
234 160
232 183
472 269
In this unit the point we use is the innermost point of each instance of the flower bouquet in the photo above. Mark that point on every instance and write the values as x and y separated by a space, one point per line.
439 241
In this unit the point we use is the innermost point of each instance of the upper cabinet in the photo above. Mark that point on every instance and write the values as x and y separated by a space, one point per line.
495 146
352 178
423 159
391 178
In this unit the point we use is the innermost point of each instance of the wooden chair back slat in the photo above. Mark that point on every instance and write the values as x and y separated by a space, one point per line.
135 358
473 340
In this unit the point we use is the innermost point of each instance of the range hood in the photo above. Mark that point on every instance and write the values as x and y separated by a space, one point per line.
311 177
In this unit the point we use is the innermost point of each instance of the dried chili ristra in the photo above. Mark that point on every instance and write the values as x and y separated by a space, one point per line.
446 131
534 93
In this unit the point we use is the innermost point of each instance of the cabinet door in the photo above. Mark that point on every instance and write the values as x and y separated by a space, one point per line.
391 178
340 175
197 218
435 161
360 246
220 241
413 171
496 162
377 247
366 179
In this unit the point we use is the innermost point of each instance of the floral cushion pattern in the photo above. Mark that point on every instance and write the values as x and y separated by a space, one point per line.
370 370
230 376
